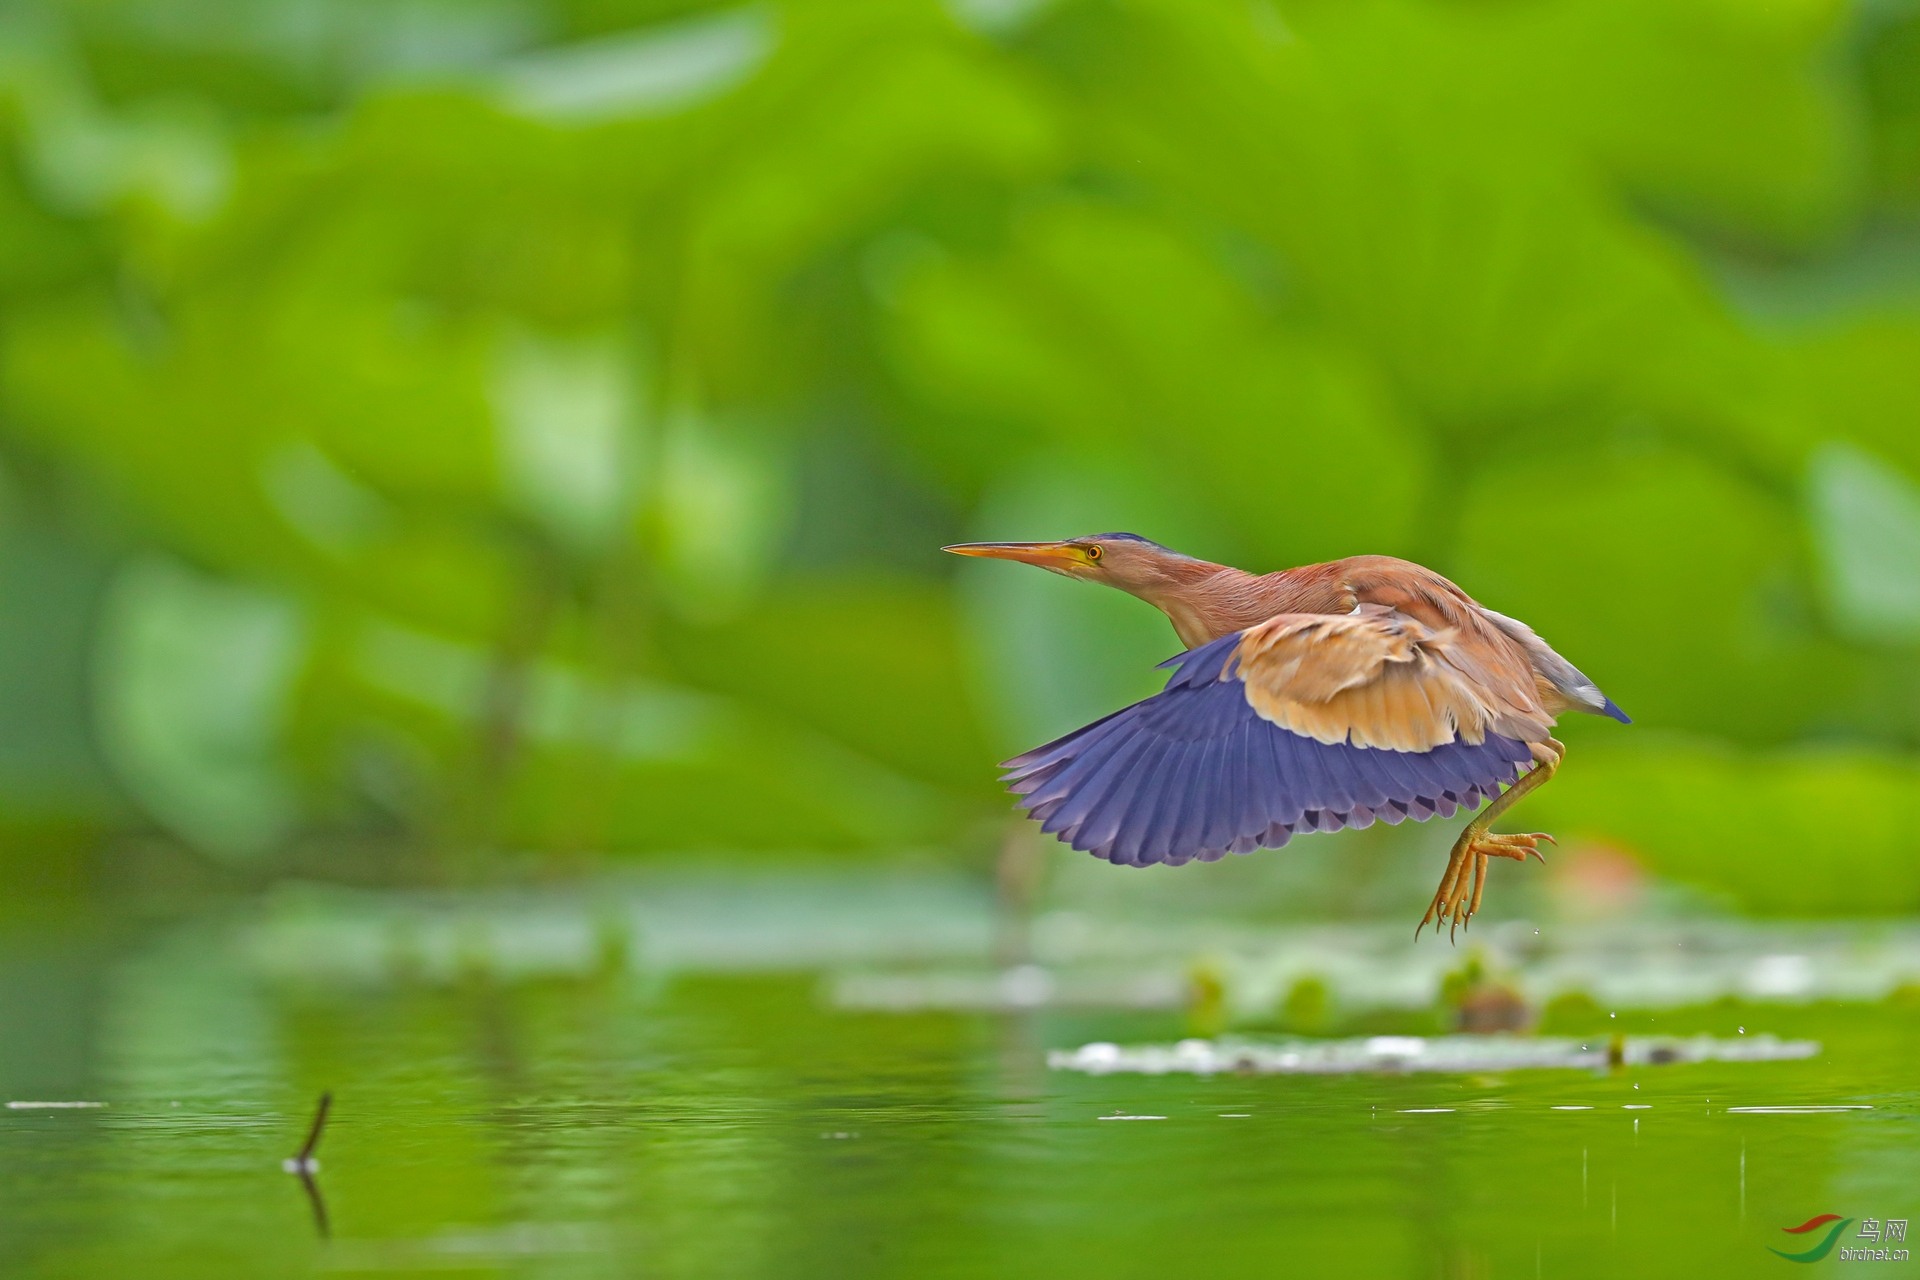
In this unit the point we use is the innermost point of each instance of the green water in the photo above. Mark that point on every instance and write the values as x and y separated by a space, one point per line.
626 1124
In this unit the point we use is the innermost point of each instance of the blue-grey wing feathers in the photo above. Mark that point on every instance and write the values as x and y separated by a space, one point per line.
1194 772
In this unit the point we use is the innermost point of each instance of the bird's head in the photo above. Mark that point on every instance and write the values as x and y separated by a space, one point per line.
1124 560
1189 591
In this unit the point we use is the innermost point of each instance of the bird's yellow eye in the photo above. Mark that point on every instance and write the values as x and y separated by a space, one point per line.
1093 551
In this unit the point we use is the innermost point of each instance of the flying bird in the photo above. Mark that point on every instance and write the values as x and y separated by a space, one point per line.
1311 699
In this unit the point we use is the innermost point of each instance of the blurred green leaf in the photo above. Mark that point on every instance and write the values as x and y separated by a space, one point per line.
1866 519
877 665
50 589
193 680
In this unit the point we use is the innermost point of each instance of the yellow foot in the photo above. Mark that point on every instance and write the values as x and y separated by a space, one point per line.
1458 897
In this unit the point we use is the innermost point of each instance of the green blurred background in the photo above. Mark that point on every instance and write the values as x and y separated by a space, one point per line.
439 437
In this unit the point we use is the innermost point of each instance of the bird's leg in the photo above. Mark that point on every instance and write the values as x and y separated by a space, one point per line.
1465 878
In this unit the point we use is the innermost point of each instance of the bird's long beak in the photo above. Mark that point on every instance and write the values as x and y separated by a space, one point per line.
1048 555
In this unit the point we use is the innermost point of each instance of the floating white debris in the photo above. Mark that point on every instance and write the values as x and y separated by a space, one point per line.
1796 1111
1413 1053
1425 1111
1026 986
1569 1108
1395 1046
37 1106
1787 976
1129 1117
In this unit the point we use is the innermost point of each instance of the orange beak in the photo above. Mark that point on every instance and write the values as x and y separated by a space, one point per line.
1057 556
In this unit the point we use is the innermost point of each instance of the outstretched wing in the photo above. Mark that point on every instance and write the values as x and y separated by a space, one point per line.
1258 735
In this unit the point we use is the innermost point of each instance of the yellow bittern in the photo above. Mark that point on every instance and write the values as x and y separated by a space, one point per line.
1307 700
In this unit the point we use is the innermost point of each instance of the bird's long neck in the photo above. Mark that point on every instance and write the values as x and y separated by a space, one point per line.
1205 601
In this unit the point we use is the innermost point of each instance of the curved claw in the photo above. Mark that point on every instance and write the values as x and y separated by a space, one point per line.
1535 852
1457 900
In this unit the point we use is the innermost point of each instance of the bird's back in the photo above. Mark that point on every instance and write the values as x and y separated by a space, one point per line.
1233 600
1507 648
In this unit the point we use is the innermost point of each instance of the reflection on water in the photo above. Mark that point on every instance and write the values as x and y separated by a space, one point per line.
552 1089
304 1165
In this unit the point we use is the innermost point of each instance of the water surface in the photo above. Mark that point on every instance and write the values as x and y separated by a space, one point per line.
624 1121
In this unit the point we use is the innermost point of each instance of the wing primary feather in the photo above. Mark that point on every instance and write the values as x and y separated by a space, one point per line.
1216 810
1080 800
1197 786
1317 785
1437 769
1144 832
1269 785
1182 797
1106 735
1406 784
1250 814
1269 742
1462 766
1430 767
1185 834
1109 821
1287 749
1367 787
1040 813
1047 749
1218 814
1372 783
1078 773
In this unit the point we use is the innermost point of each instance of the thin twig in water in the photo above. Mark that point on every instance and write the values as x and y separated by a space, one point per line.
306 1166
319 1124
